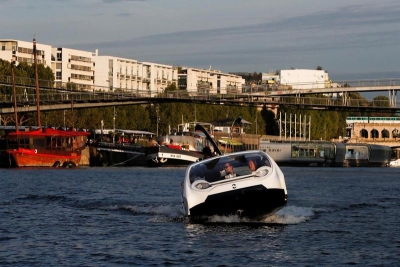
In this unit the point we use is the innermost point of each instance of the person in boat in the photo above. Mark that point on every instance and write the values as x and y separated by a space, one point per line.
252 165
207 152
229 173
152 142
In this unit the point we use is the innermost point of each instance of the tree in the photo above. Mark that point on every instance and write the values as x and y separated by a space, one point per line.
380 101
172 87
271 125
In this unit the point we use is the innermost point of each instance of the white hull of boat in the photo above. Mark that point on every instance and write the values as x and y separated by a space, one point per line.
395 163
252 194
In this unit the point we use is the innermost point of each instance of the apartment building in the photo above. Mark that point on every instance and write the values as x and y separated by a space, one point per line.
22 51
84 70
143 78
73 68
204 81
114 73
157 77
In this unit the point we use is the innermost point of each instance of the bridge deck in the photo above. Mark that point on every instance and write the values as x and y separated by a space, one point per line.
62 98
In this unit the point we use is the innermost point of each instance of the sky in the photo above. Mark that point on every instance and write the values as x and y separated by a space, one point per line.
350 39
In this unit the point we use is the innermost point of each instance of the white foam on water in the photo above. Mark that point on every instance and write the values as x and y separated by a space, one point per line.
291 215
161 213
287 215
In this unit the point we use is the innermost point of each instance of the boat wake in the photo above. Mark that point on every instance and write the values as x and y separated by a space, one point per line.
285 216
171 213
291 215
158 213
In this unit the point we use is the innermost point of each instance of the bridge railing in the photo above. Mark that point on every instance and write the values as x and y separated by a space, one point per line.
369 82
6 79
70 93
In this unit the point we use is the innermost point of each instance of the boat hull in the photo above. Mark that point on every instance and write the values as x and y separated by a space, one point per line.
395 163
255 191
253 202
28 158
46 148
116 157
165 156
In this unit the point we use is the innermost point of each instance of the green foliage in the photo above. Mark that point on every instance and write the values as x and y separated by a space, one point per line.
171 87
253 78
380 101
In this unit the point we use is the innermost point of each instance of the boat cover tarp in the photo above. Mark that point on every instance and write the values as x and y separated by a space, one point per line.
230 142
49 132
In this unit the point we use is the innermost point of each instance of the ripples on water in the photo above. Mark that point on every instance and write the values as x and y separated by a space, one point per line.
130 216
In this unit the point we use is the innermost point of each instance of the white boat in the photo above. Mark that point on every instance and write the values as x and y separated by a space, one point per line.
208 190
395 163
180 149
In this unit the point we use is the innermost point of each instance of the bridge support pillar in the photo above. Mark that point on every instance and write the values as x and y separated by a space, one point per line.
345 98
392 98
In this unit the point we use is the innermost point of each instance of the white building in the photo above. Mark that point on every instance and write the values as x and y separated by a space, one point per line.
157 77
73 68
83 70
143 78
22 51
200 81
304 79
113 73
269 78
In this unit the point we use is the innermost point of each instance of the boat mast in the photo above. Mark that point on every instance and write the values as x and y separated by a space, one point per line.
15 94
36 82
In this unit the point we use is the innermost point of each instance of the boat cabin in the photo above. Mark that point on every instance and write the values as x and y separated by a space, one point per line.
216 169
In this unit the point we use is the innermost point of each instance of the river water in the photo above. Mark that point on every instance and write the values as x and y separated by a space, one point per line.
130 216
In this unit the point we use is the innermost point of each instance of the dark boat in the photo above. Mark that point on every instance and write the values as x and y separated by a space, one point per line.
127 150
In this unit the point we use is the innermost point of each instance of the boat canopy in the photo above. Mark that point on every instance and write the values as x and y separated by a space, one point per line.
128 132
230 142
194 134
213 170
48 132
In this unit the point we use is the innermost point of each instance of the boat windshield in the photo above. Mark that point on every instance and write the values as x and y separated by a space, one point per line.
228 166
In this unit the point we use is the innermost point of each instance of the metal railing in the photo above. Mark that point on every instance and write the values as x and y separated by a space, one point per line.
68 93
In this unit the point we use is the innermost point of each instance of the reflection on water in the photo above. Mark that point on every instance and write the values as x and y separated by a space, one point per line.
131 216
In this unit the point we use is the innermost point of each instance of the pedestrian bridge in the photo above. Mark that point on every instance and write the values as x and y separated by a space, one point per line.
67 96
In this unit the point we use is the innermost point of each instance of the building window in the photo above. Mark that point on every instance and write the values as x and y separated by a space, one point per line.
58 75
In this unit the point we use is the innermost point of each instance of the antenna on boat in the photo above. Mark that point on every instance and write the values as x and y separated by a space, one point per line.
238 120
36 83
199 127
15 94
